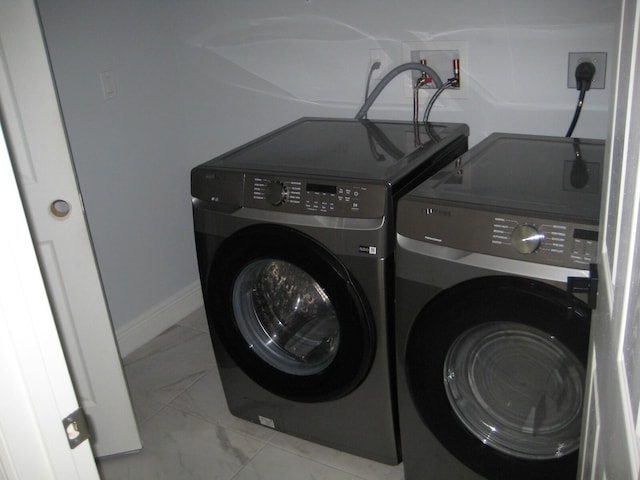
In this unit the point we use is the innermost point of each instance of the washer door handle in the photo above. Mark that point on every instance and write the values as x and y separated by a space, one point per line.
588 286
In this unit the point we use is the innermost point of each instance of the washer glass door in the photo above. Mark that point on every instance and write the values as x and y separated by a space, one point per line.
289 314
286 316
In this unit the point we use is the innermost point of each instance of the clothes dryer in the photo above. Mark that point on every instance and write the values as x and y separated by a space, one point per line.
295 238
495 284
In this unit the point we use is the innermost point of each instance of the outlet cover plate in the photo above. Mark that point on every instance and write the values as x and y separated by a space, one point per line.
379 55
599 60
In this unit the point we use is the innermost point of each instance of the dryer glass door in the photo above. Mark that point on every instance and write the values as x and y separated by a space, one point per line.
517 389
496 370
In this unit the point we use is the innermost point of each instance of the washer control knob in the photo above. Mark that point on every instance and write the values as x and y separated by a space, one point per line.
276 192
526 238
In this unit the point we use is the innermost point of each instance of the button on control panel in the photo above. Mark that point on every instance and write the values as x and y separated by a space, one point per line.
315 197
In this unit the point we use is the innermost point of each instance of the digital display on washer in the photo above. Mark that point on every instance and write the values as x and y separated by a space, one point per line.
319 188
585 235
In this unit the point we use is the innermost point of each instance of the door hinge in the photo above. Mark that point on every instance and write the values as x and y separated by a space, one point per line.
76 427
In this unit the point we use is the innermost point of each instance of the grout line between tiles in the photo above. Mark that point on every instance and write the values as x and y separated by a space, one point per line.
197 378
235 477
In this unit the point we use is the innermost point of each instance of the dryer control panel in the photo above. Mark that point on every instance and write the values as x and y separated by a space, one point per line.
532 239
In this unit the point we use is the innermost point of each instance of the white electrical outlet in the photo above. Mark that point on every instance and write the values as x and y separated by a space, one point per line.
439 57
379 55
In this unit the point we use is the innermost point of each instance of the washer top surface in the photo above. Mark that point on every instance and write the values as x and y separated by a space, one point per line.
341 148
526 174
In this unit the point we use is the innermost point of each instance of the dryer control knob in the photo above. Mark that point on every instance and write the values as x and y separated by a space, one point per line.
276 193
526 238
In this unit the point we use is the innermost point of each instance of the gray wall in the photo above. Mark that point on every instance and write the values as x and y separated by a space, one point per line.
196 78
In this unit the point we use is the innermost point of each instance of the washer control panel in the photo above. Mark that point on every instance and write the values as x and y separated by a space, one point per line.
295 195
344 198
540 240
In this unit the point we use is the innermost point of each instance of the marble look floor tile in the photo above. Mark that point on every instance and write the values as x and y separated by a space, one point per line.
165 367
189 433
206 399
177 446
275 464
359 466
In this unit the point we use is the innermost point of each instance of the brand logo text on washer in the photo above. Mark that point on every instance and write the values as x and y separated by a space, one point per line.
437 211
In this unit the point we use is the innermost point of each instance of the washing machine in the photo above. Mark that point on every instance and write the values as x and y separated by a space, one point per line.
496 280
295 238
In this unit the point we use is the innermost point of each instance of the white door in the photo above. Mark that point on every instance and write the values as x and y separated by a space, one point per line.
36 388
611 443
40 154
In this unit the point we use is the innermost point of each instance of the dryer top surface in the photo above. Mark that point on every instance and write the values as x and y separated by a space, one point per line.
531 175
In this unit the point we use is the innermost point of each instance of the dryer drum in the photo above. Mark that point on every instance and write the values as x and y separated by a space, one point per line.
495 367
289 314
517 389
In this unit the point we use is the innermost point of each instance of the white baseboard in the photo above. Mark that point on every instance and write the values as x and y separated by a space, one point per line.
157 319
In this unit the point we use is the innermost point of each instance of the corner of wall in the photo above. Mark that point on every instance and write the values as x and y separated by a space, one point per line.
157 319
